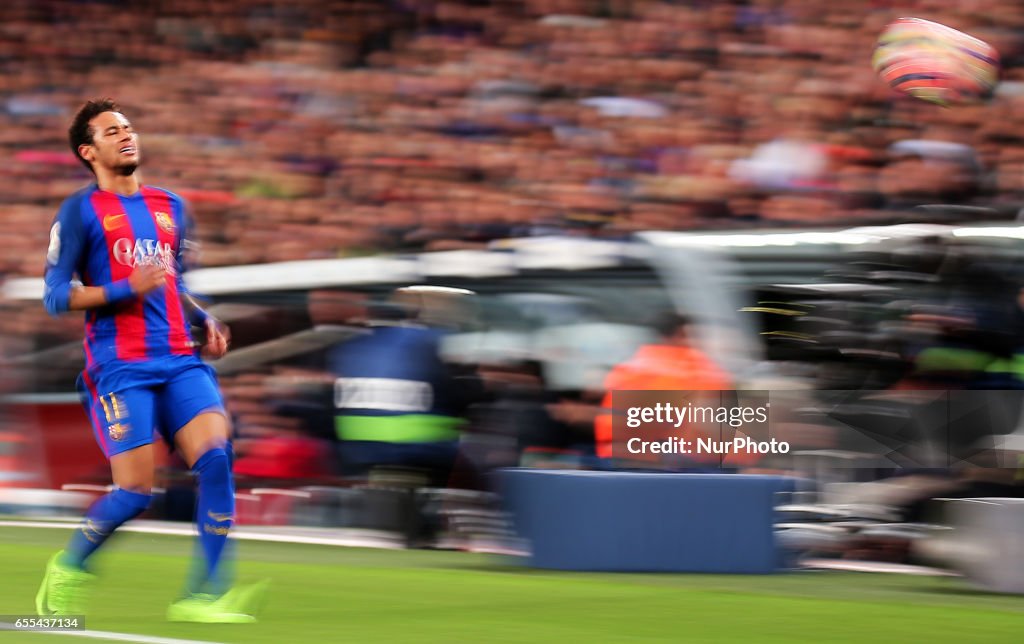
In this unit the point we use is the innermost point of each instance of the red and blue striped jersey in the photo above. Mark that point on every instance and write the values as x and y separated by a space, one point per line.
100 237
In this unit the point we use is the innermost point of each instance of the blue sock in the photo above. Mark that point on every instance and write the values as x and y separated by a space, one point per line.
102 518
215 512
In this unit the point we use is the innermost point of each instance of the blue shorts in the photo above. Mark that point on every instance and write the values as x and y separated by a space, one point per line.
127 401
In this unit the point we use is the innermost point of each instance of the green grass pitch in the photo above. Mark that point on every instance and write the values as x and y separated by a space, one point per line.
331 594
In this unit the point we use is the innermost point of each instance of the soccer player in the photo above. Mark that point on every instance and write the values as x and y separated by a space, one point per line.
124 242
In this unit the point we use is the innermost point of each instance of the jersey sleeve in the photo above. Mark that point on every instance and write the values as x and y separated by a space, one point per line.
63 256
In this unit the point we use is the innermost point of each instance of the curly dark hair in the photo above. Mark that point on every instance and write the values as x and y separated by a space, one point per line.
80 133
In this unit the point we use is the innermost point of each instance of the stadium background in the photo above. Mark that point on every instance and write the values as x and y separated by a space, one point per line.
308 130
315 130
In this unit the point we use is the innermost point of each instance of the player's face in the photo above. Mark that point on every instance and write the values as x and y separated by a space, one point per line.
115 145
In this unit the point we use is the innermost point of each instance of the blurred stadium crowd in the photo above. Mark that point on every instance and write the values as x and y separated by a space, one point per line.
304 129
316 129
325 129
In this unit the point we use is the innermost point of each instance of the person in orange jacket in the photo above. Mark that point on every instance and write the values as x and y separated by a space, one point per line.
672 364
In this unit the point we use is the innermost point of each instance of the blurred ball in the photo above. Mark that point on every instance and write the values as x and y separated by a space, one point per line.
935 63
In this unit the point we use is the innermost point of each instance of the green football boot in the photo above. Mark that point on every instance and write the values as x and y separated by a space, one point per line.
239 605
64 589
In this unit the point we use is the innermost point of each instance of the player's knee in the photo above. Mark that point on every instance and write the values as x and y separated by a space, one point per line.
135 503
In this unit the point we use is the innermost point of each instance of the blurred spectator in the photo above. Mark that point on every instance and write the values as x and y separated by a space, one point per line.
284 456
514 421
671 363
928 171
397 404
280 429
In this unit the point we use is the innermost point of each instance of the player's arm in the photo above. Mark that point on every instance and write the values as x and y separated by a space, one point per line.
218 336
143 280
63 256
62 259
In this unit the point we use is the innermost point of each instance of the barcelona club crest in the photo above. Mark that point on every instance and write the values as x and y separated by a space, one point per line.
118 430
164 221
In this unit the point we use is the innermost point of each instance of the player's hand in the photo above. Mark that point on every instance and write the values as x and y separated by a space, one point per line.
218 337
147 278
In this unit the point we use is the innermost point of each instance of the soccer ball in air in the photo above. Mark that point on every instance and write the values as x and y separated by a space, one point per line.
936 63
